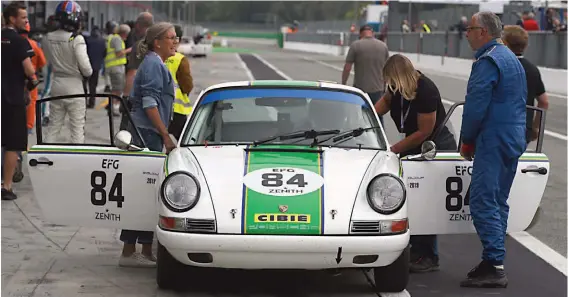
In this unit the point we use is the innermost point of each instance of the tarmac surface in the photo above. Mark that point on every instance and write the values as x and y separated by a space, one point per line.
42 259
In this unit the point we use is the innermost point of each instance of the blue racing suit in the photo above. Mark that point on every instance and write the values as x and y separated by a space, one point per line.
494 121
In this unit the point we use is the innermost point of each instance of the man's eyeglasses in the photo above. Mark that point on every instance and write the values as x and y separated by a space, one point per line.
473 28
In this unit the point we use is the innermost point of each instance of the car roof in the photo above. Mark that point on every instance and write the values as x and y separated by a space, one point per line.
285 83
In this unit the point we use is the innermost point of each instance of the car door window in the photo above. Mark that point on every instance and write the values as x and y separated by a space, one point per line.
99 128
451 127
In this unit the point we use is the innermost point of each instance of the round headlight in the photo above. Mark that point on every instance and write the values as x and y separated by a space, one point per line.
386 193
180 191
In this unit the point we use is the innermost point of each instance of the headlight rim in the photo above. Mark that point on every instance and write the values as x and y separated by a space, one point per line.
402 202
163 192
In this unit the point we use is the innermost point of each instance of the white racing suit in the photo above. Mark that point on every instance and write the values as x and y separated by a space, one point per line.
67 54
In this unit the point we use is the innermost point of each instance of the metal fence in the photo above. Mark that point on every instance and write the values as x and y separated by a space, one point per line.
545 49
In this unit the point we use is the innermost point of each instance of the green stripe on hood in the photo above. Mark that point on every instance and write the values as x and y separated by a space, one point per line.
283 191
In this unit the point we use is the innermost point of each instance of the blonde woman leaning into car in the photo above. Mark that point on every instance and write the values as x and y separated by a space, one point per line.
416 108
152 98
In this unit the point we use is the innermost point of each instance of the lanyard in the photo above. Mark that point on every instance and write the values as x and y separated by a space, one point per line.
404 116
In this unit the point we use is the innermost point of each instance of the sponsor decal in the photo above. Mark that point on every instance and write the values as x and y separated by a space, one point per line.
282 218
283 192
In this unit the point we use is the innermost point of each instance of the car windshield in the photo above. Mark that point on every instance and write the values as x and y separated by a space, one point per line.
239 115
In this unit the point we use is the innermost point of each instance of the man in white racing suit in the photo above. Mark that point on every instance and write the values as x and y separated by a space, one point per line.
66 51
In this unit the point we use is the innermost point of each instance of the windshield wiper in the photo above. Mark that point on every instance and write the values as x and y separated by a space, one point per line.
294 135
347 134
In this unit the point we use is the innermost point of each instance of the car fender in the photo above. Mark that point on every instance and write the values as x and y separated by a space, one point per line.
182 159
384 162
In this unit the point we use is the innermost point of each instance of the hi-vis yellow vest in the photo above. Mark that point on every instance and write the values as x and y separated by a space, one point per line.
111 59
181 102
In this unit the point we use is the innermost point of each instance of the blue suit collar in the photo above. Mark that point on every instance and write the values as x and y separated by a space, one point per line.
486 46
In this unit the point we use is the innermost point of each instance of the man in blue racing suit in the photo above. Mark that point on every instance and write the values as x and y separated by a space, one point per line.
493 128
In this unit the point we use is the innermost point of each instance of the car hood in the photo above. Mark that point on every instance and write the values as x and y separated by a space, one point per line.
282 189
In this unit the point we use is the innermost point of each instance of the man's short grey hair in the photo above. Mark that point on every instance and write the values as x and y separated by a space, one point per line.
491 22
145 20
124 29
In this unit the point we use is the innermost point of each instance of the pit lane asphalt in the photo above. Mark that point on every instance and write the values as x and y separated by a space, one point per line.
42 259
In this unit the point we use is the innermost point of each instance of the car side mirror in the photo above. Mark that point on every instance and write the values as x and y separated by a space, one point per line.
123 141
428 150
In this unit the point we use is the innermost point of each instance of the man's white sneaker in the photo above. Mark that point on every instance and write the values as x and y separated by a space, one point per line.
136 260
116 109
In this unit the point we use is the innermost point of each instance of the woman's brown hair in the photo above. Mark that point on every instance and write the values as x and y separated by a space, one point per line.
400 75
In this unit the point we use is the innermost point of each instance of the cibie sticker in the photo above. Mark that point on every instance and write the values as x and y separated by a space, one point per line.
283 181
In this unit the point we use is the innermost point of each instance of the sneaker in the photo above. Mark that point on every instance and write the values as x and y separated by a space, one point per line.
136 260
8 195
486 275
116 110
151 258
424 264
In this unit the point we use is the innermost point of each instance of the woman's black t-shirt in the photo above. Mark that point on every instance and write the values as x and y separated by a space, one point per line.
405 113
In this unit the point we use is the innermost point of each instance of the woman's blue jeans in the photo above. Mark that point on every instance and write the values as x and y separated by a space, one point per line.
155 143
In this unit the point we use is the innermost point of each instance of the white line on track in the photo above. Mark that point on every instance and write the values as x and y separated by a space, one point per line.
244 66
536 246
530 242
272 67
445 101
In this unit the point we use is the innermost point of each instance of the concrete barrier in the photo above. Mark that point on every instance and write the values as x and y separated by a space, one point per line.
554 79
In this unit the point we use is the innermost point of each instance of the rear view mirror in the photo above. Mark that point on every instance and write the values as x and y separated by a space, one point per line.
280 101
123 141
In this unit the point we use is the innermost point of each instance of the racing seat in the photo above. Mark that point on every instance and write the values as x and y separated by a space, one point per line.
325 115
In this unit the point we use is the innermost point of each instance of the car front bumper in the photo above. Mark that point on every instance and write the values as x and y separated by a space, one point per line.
282 252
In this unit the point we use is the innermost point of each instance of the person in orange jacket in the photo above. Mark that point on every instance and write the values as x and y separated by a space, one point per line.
39 62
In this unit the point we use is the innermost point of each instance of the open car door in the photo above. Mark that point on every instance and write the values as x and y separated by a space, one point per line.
96 183
438 189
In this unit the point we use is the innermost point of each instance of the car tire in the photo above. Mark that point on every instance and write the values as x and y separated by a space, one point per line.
394 277
168 269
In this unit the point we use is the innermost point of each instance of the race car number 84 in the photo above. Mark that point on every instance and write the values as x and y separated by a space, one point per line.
283 181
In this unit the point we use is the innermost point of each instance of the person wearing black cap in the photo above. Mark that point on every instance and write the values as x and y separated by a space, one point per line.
369 56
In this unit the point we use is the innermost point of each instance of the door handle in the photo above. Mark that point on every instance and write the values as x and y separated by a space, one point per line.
540 170
34 162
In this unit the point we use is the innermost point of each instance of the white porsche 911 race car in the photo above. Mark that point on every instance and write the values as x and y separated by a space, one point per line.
274 175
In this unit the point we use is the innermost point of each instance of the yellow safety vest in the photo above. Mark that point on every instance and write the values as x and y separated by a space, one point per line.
111 59
182 105
426 28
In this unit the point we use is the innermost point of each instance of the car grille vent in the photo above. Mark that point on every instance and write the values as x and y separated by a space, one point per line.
366 227
196 225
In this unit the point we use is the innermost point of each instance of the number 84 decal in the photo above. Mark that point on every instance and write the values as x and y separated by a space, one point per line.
98 187
455 200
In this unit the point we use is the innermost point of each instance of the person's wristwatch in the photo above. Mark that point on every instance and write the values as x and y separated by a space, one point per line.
32 84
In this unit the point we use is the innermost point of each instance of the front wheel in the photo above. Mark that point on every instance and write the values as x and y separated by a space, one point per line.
393 278
168 269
